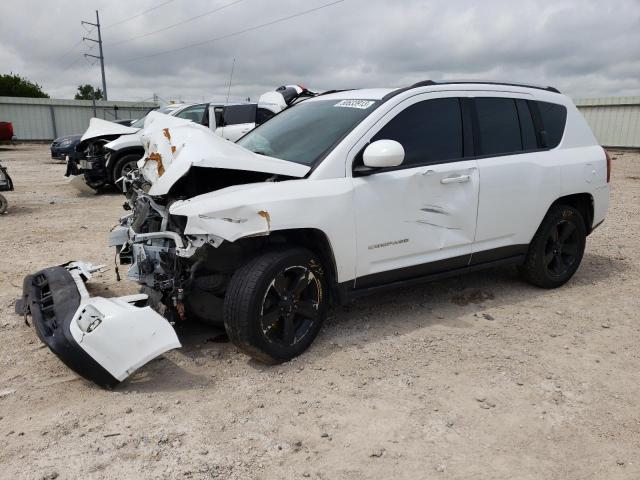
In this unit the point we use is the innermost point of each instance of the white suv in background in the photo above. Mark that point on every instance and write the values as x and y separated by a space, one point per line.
346 194
107 151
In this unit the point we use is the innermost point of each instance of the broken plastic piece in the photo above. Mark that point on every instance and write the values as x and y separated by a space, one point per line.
102 339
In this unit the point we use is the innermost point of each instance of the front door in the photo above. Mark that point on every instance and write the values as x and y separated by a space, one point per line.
419 218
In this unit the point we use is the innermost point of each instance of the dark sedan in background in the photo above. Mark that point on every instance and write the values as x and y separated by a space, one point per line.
64 147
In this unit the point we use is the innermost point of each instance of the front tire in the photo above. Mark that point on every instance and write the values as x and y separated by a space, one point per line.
557 248
275 305
125 165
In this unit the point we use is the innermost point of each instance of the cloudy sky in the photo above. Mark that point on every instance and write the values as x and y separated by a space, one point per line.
184 49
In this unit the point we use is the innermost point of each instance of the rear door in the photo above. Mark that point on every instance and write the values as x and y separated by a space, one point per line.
519 172
418 218
237 120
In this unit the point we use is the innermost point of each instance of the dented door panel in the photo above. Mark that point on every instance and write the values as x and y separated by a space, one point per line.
415 216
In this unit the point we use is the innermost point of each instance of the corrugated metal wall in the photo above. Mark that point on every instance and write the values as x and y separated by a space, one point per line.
615 121
46 119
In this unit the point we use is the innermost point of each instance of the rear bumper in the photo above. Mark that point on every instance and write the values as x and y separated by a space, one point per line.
103 340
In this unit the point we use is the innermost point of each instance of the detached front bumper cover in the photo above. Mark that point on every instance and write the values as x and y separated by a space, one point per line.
102 339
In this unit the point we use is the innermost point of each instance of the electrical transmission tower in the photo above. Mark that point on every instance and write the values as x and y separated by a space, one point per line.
101 56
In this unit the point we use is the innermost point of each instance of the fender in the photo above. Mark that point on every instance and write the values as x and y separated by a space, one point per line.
260 209
122 146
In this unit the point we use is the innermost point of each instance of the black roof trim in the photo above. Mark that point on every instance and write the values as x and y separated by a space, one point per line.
427 83
329 92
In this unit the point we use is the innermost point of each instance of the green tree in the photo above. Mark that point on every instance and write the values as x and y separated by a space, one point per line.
16 86
86 92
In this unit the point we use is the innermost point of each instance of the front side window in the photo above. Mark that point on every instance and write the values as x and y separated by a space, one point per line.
307 131
166 110
430 131
499 127
195 113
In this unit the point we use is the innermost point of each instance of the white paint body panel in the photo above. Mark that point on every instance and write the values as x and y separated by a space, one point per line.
126 337
125 141
501 204
325 205
234 132
99 128
429 220
181 144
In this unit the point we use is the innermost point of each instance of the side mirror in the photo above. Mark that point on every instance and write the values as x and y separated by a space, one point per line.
383 153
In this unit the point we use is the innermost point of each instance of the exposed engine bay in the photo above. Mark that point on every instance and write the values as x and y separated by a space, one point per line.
186 275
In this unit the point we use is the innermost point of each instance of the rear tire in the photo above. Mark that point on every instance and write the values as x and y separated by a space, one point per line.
557 248
275 305
4 204
124 165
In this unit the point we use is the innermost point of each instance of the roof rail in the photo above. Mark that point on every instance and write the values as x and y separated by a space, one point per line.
427 83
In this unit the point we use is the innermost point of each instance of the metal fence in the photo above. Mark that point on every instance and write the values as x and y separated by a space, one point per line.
615 121
46 119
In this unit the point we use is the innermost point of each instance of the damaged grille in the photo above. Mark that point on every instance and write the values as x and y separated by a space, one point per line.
45 302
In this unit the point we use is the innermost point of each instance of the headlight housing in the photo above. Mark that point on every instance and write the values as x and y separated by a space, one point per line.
66 142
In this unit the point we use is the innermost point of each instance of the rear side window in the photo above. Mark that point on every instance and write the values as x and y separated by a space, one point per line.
236 114
499 126
554 118
527 130
430 131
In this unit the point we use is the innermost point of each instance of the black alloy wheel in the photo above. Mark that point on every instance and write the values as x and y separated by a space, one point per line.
290 305
557 248
561 250
275 304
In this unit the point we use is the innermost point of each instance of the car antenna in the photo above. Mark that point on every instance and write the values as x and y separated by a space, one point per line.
233 65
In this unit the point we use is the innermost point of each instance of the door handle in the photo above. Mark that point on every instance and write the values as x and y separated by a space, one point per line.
459 179
428 172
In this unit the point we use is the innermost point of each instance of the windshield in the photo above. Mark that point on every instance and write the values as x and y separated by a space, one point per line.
306 132
166 110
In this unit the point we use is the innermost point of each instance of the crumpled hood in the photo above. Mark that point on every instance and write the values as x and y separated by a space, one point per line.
125 141
99 128
174 145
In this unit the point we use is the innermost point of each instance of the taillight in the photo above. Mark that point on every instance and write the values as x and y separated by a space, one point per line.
608 165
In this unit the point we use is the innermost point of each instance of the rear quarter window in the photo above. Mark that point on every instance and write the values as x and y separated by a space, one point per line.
554 119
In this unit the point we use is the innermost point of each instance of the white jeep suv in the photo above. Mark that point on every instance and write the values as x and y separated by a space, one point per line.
353 192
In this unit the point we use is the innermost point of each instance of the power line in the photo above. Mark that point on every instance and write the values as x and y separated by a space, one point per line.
75 45
137 15
233 34
188 20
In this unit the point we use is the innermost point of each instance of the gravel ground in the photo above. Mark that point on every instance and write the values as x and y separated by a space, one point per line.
480 376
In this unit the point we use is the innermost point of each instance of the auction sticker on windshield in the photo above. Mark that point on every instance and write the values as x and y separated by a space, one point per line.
362 104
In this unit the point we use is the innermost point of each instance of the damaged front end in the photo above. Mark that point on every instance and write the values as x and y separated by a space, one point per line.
182 260
90 163
186 272
102 339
